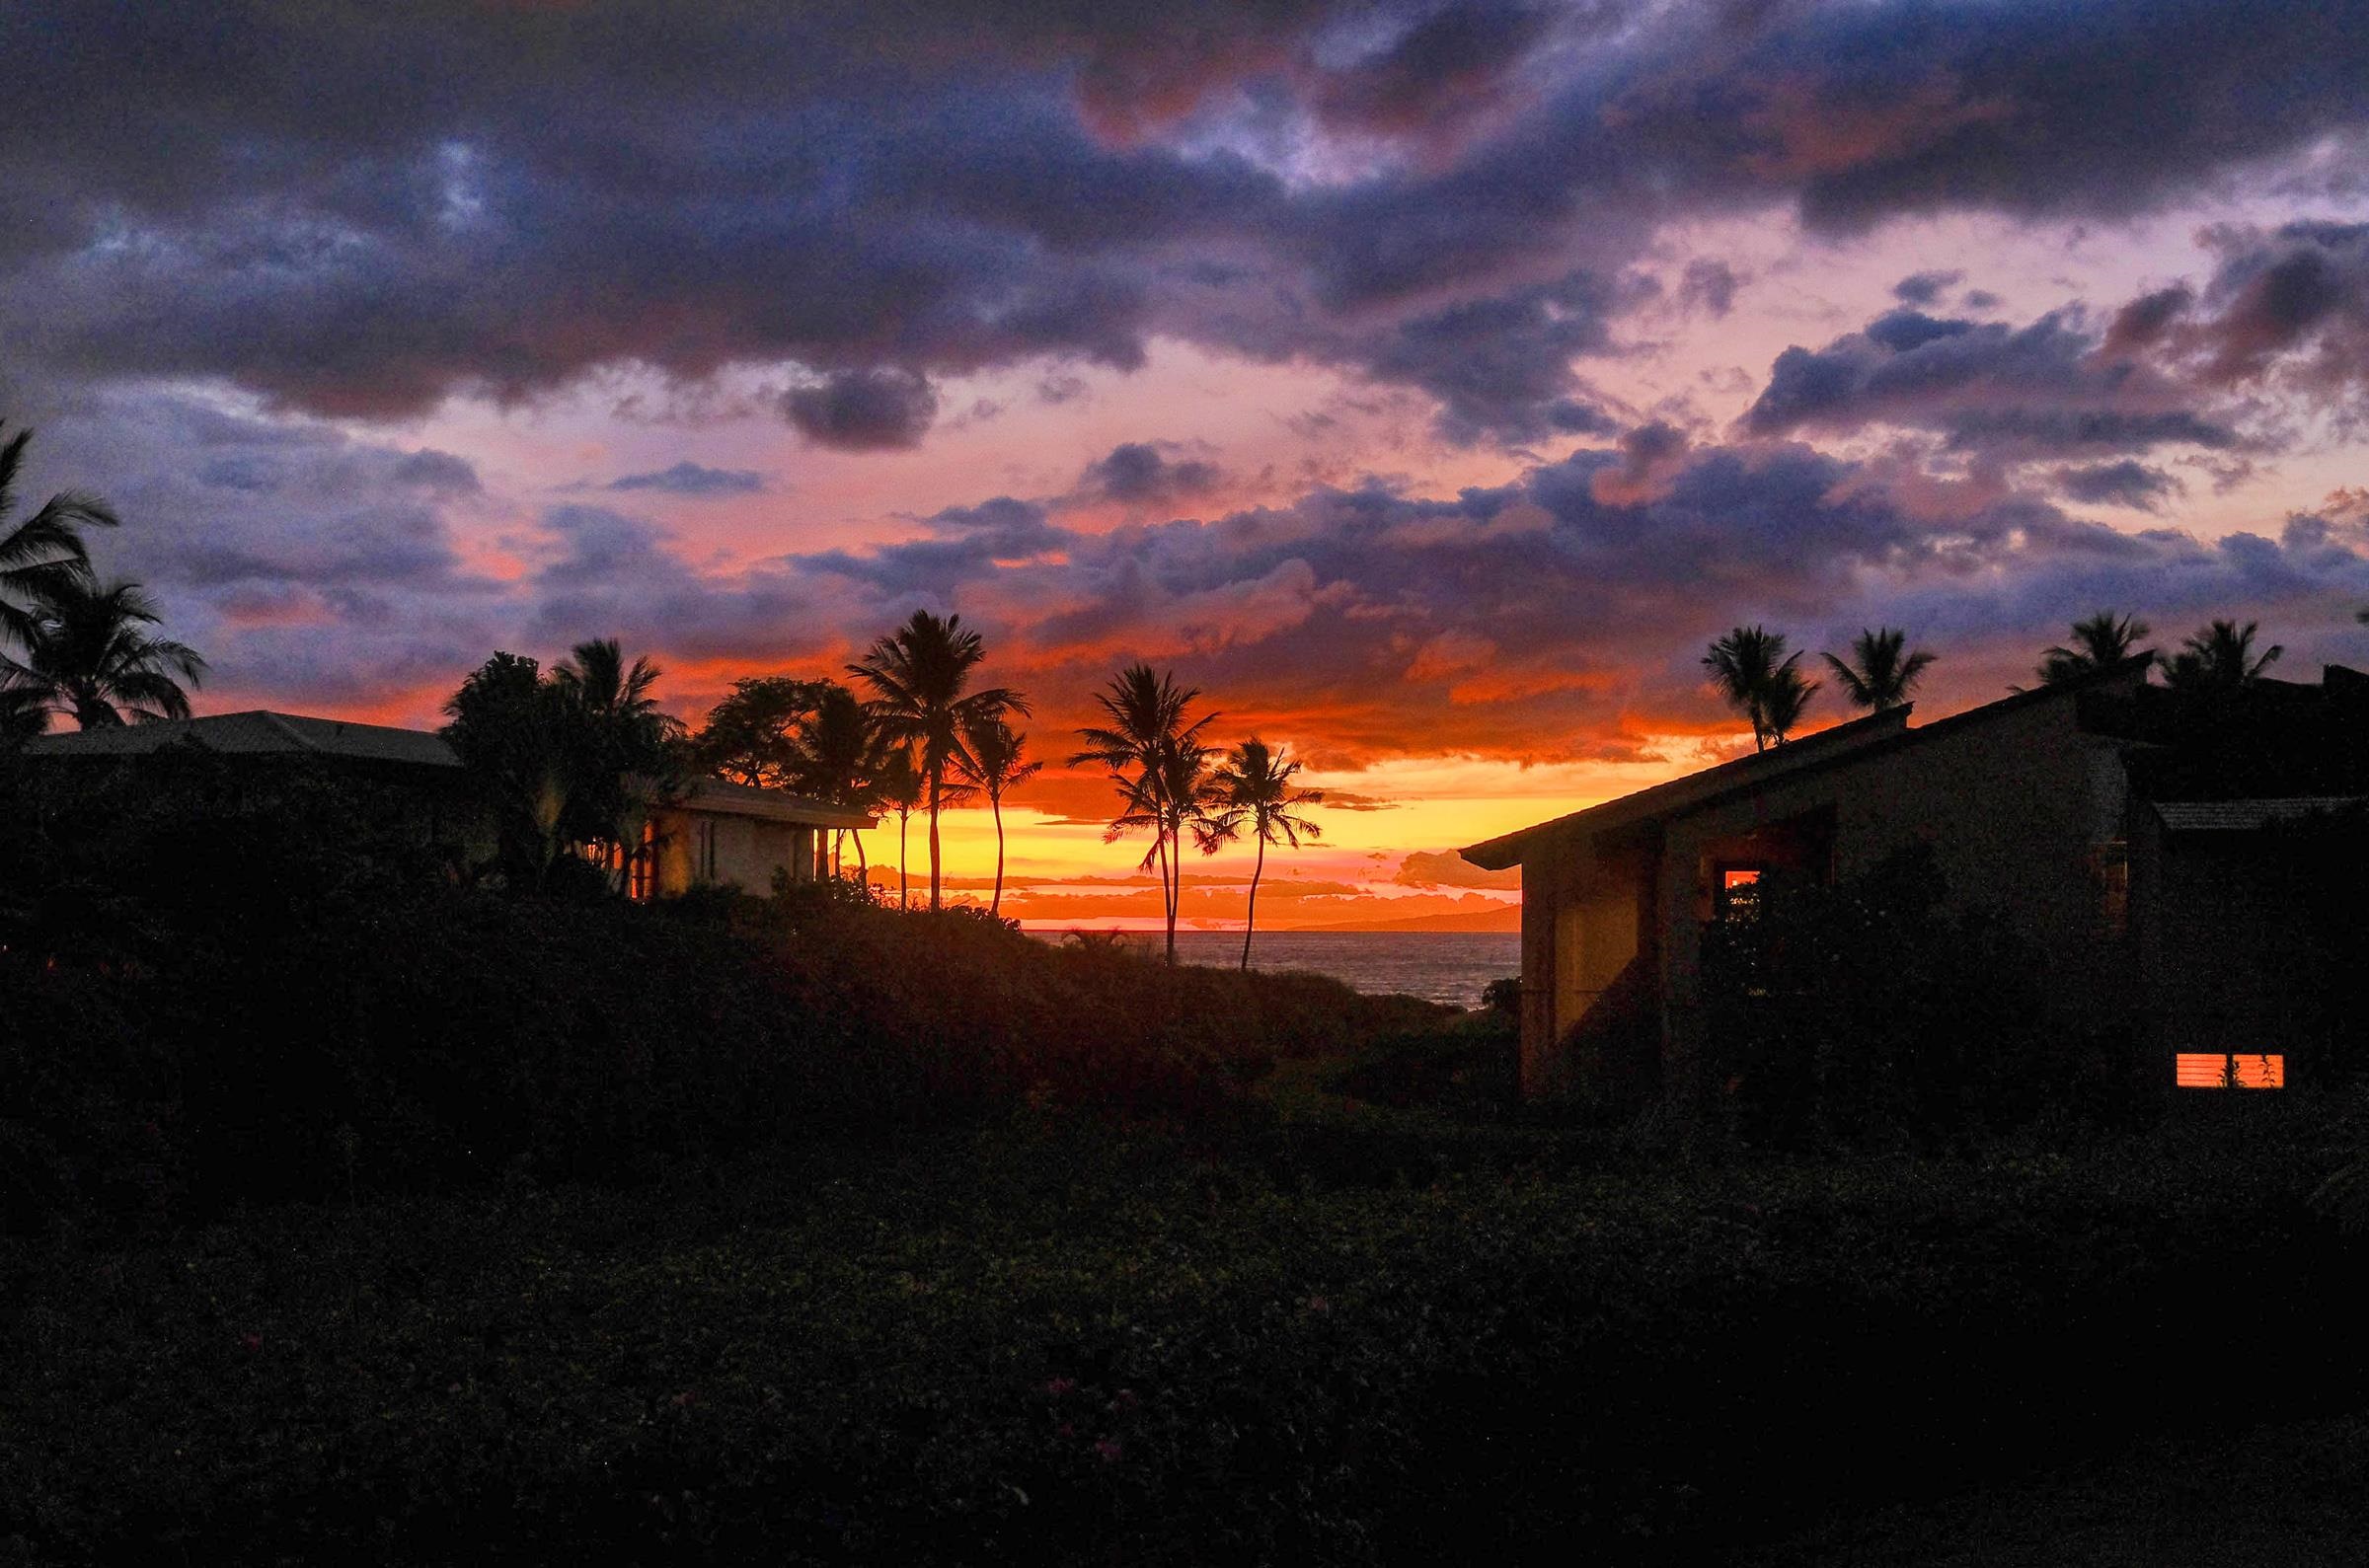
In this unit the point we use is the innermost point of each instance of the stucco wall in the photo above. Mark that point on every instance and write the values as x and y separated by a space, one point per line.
1582 921
2218 932
2016 805
2016 801
748 850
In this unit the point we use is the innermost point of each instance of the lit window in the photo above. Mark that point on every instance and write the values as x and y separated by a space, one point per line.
2215 1070
1736 892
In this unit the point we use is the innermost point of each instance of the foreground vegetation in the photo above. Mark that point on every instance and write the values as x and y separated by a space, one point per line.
357 1213
229 988
1053 1339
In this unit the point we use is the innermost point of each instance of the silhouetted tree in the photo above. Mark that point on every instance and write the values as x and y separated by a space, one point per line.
579 757
900 788
88 653
921 675
23 712
1254 790
628 760
1760 679
1157 761
1783 703
2219 658
752 736
1879 673
2100 643
837 754
40 550
510 727
995 765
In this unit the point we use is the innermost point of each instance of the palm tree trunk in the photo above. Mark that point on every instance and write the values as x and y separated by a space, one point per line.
1250 915
1175 884
1167 904
904 887
863 868
936 780
995 803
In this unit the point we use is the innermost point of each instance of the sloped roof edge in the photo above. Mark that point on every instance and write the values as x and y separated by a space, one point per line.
255 732
1853 738
725 798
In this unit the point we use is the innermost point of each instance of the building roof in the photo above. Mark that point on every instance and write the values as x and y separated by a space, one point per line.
1678 795
2246 816
259 732
718 798
1841 744
255 732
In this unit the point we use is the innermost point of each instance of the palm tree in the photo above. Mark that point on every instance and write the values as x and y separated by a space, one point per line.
40 551
993 766
899 787
2100 643
629 763
920 673
1881 673
837 754
1753 671
1157 761
88 653
595 677
1179 798
2219 658
1783 702
1254 786
23 712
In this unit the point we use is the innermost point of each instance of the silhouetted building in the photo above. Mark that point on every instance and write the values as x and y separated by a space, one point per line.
2143 840
713 833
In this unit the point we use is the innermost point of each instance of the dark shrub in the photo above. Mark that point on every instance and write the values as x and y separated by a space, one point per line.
222 989
1867 1010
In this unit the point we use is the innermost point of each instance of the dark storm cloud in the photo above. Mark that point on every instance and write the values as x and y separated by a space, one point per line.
1141 474
693 481
1555 618
220 497
2291 306
2141 322
1543 619
307 564
970 541
2129 483
1986 386
1923 288
608 574
864 411
1445 68
358 212
1501 366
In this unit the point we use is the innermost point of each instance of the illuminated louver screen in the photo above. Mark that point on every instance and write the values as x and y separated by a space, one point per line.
2210 1070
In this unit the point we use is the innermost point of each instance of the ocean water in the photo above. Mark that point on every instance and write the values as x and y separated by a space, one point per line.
1439 966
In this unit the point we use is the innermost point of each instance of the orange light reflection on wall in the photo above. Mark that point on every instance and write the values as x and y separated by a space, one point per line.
2212 1070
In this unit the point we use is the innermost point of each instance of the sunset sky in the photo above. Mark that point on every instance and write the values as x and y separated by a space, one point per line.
1427 383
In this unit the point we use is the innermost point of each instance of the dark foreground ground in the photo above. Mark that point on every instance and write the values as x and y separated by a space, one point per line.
1325 1333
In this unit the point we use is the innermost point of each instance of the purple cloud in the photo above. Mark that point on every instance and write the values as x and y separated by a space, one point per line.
692 480
864 411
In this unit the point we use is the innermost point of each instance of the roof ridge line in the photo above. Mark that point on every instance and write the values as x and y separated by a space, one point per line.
280 721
